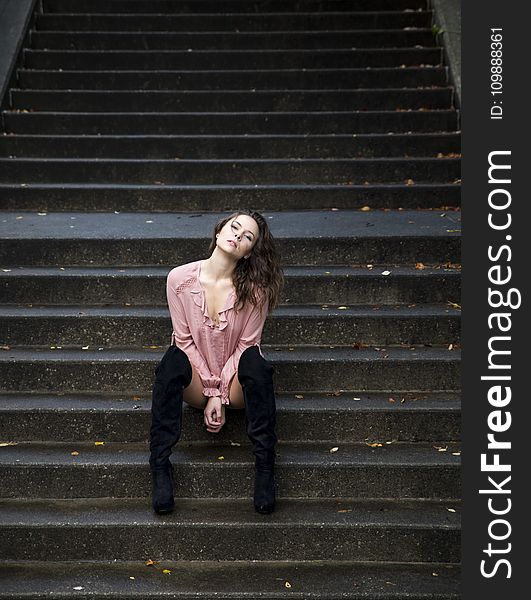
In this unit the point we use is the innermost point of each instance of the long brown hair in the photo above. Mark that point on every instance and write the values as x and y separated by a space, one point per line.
258 278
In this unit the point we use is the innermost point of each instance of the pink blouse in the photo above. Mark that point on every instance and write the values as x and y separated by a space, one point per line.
214 351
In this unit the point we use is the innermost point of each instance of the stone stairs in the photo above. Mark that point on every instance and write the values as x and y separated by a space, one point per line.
133 127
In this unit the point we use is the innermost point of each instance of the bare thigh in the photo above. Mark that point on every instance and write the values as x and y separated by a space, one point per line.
193 393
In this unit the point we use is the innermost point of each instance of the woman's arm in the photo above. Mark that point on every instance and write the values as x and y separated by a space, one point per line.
183 338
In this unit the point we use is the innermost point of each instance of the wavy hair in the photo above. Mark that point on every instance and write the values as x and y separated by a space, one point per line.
259 278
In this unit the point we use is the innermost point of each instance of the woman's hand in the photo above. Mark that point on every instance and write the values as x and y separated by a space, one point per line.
214 414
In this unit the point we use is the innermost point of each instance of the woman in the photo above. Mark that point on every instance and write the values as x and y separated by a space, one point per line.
218 307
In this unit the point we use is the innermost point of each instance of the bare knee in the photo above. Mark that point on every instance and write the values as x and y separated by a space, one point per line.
193 393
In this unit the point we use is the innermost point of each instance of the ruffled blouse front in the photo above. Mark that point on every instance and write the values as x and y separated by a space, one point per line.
199 297
213 350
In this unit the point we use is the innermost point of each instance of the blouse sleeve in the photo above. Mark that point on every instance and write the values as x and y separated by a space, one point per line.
251 336
184 340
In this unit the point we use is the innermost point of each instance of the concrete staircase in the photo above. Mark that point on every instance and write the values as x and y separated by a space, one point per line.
134 126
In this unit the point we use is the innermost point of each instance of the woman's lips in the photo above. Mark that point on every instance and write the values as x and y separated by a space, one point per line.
232 242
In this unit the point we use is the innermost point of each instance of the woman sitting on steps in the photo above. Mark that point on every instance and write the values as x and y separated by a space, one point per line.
218 307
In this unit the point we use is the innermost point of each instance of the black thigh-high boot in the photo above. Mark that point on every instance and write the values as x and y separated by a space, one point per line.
173 374
255 375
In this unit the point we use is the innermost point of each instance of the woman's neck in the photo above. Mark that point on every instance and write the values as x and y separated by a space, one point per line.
218 268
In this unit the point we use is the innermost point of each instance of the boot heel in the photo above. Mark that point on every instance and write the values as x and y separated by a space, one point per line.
162 494
264 491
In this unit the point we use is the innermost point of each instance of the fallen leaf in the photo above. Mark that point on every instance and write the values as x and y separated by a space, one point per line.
392 400
374 444
342 307
74 453
149 562
365 208
344 510
8 443
420 265
221 458
450 509
166 571
287 584
99 443
334 449
299 396
386 272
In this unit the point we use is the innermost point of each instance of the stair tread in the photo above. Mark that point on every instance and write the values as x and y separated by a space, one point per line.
230 137
302 224
135 512
232 579
277 355
285 402
294 310
290 271
398 454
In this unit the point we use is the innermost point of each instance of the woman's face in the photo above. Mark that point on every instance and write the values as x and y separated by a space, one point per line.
238 236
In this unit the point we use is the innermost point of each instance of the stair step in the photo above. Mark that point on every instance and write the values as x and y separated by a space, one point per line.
394 369
277 100
229 580
238 21
70 326
242 146
235 40
311 237
302 470
42 197
232 59
318 122
209 529
339 417
280 79
232 6
242 171
331 285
